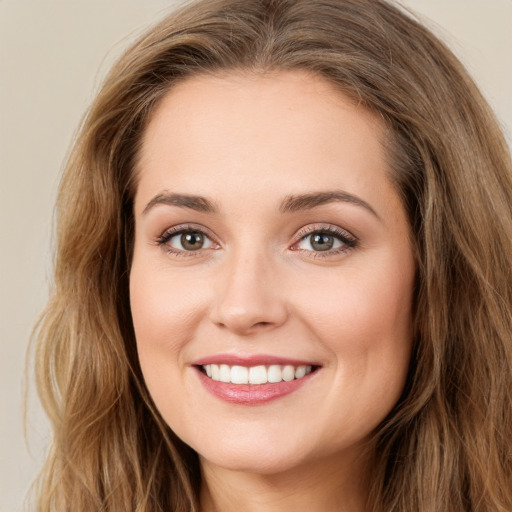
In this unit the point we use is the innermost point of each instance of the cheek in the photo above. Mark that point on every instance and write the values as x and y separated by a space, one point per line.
357 308
162 306
366 325
364 318
165 314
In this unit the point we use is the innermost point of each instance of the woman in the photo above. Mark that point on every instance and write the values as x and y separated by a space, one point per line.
283 274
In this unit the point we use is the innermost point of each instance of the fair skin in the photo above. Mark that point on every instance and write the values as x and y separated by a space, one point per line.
268 234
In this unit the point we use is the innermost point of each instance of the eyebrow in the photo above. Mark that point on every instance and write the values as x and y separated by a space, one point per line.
198 203
290 204
296 203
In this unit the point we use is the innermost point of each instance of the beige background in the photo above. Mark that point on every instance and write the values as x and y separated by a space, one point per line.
52 57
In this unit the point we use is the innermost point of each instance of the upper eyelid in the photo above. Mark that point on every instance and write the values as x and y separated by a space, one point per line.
180 228
319 227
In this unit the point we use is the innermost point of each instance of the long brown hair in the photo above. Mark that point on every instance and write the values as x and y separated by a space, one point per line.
447 445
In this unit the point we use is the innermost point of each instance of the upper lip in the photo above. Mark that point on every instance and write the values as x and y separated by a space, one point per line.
252 360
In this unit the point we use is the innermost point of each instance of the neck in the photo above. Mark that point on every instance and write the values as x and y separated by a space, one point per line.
315 486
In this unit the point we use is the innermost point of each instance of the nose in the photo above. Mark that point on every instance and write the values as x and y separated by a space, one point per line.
249 297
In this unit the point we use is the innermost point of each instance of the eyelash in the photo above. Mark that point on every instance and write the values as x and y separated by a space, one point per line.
164 239
348 241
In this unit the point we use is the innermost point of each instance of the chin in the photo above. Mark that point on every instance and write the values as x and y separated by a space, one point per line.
270 463
260 455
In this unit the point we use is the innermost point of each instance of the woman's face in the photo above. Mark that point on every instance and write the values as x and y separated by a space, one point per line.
271 252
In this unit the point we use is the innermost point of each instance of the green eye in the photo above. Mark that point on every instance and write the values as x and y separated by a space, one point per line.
322 242
327 240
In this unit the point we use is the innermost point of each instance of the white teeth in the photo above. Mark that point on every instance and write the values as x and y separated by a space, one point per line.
255 374
225 373
300 371
239 375
274 373
288 373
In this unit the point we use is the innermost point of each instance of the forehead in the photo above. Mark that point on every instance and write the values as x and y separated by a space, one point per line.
277 129
237 100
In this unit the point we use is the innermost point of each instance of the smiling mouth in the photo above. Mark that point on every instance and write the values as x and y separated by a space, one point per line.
261 374
254 380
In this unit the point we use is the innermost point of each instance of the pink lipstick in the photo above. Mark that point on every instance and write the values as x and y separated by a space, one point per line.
253 380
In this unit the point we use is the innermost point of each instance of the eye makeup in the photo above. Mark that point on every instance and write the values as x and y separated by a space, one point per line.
316 240
324 240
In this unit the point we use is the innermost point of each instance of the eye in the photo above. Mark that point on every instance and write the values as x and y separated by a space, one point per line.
190 241
182 240
328 240
319 242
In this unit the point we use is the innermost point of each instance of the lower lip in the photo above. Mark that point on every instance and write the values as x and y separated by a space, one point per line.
251 394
